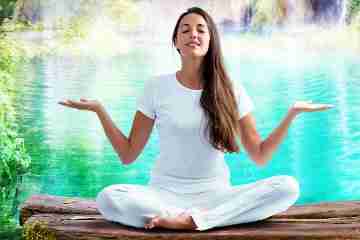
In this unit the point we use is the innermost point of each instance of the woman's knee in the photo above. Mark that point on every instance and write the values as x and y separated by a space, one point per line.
115 205
109 201
102 197
287 185
126 204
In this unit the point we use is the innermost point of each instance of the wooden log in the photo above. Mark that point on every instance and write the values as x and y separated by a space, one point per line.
56 204
54 217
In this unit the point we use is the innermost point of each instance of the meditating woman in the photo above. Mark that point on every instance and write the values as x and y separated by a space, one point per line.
200 115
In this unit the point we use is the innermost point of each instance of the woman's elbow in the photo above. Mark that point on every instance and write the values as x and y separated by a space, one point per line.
259 160
258 156
129 158
126 160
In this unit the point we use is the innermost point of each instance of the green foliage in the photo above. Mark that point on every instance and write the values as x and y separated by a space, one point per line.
14 161
266 13
122 11
77 28
16 26
13 234
10 57
353 9
7 8
37 230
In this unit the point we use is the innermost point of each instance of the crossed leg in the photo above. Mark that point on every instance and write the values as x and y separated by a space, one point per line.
249 203
239 204
143 207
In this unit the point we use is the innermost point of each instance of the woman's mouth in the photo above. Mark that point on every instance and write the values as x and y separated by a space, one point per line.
193 44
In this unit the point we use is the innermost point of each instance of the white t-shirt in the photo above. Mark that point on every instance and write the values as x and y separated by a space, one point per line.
187 162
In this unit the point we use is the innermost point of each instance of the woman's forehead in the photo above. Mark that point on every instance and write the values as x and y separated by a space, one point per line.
193 19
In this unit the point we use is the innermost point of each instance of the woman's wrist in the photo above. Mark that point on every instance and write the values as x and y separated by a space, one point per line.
98 109
293 112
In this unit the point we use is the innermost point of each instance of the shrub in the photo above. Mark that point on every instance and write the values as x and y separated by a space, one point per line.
7 8
14 161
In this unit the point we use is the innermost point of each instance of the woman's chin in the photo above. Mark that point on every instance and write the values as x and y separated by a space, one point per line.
194 54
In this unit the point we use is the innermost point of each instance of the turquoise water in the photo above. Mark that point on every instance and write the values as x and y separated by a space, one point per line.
72 156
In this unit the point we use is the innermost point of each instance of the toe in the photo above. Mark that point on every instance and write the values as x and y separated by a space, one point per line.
153 222
156 221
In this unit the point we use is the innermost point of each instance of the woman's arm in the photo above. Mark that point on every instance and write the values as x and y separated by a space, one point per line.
261 151
127 148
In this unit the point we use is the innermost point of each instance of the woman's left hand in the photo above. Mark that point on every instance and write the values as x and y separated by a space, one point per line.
308 106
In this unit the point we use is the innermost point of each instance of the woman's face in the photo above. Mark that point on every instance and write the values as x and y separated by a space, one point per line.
193 37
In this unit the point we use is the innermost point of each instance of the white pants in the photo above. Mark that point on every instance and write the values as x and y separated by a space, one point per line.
134 205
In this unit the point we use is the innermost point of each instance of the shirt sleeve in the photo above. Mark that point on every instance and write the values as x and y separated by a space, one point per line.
146 100
244 102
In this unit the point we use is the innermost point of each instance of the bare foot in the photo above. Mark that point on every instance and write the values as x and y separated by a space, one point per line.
181 221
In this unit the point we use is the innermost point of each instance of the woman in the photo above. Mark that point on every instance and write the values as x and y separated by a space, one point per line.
199 116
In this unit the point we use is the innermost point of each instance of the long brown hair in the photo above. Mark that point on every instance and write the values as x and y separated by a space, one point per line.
217 99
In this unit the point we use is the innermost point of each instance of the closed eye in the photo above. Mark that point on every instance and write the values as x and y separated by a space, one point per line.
200 31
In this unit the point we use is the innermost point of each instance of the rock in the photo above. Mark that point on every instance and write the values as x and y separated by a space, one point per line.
55 217
327 11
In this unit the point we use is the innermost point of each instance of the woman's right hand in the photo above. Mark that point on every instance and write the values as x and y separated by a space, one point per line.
83 104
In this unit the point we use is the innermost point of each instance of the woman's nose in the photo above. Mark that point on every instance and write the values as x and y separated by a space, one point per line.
194 34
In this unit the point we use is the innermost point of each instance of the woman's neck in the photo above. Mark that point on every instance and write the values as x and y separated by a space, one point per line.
190 75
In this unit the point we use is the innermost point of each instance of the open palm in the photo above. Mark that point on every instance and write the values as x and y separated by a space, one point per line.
308 106
83 104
